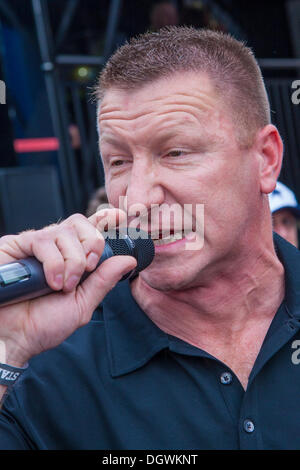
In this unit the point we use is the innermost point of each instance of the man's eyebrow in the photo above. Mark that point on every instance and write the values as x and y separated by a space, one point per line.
111 139
167 131
178 130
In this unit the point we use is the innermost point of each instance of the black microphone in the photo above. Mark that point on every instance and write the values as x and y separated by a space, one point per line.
24 279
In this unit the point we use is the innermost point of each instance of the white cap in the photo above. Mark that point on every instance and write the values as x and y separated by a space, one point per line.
283 198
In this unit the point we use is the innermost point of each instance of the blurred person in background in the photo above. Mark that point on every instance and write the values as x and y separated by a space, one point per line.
98 198
201 15
286 213
163 14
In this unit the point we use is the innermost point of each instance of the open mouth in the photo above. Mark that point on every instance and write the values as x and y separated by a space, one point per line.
165 238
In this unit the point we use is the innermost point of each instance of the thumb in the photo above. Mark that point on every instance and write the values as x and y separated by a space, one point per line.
93 290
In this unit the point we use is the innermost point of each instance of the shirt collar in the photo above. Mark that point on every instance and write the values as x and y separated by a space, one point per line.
133 339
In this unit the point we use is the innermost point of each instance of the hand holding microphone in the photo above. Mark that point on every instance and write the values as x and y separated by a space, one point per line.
25 279
59 276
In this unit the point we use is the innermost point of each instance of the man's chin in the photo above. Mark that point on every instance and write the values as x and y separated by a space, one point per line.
164 283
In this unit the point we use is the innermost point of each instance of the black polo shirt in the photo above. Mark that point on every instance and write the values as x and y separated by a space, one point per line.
122 383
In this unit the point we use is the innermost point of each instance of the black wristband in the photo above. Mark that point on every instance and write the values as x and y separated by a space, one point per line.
10 374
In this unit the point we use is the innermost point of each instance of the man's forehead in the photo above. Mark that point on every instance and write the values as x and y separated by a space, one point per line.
163 103
181 87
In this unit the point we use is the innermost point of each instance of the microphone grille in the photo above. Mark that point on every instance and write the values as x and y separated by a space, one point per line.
145 253
141 248
119 246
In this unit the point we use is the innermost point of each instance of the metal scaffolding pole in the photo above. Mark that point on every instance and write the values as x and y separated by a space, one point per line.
74 194
67 164
66 20
113 18
76 59
279 64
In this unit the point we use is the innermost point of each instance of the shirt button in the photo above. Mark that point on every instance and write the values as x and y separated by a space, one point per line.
226 378
248 426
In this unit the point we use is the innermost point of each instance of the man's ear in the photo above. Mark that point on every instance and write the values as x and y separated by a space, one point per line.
270 151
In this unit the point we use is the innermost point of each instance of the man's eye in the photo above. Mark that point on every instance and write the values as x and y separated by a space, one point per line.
175 153
117 163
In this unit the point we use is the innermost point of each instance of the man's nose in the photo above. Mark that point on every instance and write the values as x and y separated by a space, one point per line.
144 186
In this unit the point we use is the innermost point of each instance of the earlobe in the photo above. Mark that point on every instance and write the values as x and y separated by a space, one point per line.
271 151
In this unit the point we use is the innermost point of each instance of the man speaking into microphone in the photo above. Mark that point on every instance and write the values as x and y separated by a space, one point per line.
196 351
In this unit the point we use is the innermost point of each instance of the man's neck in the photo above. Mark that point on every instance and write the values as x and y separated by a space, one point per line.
224 307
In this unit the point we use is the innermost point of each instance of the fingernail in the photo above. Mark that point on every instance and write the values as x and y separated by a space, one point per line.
58 280
128 269
72 282
92 260
99 234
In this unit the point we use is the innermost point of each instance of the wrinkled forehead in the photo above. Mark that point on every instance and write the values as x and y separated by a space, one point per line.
187 91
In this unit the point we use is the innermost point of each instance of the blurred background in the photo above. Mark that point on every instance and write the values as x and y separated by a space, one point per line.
51 52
